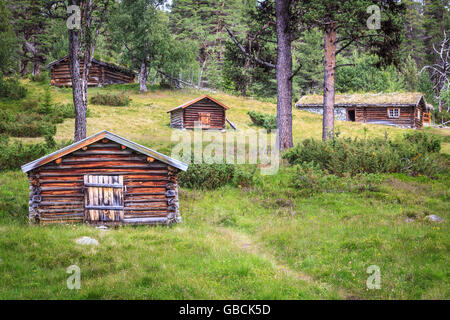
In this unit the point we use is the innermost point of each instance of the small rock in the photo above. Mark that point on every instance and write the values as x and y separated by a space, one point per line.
434 218
102 227
87 241
409 220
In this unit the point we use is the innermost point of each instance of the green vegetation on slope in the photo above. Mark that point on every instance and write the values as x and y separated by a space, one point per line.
261 239
265 242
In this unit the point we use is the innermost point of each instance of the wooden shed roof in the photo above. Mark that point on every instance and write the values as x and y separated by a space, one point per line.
96 137
365 99
105 64
187 104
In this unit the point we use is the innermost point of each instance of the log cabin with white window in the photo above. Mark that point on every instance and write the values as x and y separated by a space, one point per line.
406 109
104 179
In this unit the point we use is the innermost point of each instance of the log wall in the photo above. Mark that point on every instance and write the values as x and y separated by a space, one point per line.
176 119
98 75
150 186
380 114
191 114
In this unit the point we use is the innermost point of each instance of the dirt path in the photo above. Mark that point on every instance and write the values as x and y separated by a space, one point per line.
245 243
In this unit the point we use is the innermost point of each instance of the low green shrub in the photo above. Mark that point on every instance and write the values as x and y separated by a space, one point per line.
415 154
245 175
15 154
310 179
110 99
213 176
30 104
67 110
25 124
264 120
42 77
206 176
12 89
423 142
37 118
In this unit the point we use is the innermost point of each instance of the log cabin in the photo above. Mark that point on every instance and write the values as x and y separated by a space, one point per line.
406 109
100 73
104 179
204 111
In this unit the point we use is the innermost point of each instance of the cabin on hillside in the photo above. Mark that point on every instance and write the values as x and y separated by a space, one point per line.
407 109
100 73
104 179
205 111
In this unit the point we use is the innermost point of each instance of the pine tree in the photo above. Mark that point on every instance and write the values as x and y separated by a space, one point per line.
414 45
8 41
30 26
309 51
436 21
204 22
344 23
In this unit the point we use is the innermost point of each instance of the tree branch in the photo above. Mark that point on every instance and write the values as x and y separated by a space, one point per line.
264 63
344 65
296 71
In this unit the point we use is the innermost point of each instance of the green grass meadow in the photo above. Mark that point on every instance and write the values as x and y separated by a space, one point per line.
263 242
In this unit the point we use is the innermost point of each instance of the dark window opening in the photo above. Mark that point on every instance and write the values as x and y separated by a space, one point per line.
351 115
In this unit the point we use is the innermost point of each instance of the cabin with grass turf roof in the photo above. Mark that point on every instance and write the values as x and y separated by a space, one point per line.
104 179
405 109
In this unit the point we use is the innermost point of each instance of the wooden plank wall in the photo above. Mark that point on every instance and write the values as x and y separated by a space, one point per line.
57 189
60 75
176 119
370 114
114 76
191 114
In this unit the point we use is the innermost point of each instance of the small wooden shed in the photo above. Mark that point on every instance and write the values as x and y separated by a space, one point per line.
405 109
206 111
104 179
100 73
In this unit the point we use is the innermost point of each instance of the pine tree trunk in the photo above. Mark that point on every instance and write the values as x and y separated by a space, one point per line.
77 88
36 66
284 71
143 76
328 84
23 67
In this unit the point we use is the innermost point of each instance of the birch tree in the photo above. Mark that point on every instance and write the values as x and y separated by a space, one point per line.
85 19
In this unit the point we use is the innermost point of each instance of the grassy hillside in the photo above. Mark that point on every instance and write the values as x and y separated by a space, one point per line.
263 242
148 121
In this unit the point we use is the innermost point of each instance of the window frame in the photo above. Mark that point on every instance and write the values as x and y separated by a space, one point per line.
393 113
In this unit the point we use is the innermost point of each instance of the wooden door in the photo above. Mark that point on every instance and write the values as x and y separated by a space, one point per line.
205 119
103 198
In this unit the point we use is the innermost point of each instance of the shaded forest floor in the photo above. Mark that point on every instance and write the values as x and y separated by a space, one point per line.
263 242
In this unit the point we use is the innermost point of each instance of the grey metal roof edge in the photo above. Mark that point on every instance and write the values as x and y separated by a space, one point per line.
132 145
149 152
31 165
